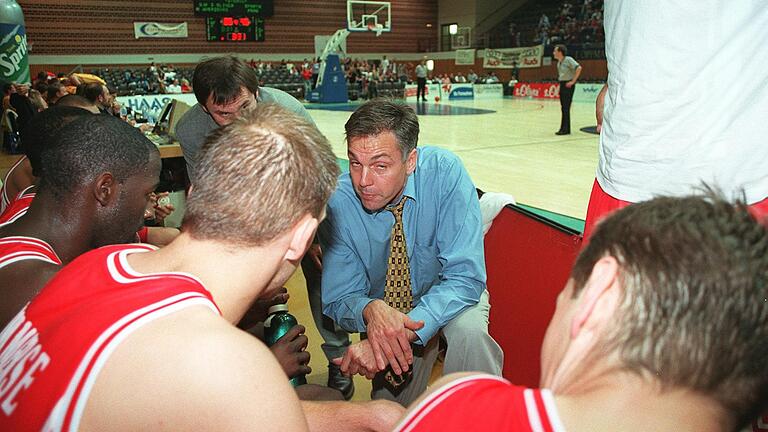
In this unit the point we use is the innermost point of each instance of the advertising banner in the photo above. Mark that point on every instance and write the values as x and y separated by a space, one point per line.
537 90
153 104
159 30
586 92
458 91
14 58
488 91
465 57
526 57
432 91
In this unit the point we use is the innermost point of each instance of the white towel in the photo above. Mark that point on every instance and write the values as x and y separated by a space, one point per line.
491 204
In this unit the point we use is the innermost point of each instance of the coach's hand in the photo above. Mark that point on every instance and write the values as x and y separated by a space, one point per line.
358 359
390 333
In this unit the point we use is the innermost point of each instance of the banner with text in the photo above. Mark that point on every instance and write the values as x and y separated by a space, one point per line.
159 30
526 57
537 90
458 91
584 92
465 57
488 91
153 104
432 91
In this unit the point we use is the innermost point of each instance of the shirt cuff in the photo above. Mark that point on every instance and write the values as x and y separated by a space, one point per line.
357 306
430 328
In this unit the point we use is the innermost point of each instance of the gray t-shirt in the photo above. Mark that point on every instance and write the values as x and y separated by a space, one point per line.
421 71
196 124
566 69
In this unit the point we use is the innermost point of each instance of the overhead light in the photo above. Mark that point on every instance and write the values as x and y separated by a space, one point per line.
429 25
453 29
430 65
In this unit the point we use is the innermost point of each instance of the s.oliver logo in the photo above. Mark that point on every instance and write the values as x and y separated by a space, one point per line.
537 90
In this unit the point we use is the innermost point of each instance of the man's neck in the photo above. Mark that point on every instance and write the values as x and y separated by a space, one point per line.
234 276
59 225
624 401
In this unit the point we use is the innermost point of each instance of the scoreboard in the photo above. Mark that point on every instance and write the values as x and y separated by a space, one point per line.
234 29
261 8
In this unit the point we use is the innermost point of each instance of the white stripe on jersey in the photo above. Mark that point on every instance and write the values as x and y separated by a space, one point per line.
551 407
430 402
532 410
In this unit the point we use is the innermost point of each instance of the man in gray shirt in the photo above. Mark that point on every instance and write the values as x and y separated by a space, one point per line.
568 71
421 81
225 87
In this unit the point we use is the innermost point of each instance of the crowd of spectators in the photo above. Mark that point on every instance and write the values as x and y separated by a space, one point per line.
574 24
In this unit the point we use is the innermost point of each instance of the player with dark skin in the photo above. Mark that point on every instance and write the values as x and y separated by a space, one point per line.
81 205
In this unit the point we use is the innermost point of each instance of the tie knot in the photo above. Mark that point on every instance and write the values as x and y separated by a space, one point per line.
397 209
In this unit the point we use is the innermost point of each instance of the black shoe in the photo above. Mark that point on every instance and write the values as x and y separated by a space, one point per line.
562 133
340 382
423 99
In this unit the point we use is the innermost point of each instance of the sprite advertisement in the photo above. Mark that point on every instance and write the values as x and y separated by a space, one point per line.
14 62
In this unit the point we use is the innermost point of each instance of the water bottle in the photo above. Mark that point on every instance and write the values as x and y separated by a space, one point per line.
14 59
276 325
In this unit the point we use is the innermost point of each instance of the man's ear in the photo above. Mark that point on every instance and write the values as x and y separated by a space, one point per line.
302 234
599 298
410 161
105 189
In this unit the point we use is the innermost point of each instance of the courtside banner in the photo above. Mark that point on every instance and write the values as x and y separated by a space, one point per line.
488 91
458 91
465 57
432 91
153 104
526 57
538 90
586 92
159 30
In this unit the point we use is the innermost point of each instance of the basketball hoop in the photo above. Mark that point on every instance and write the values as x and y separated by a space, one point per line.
378 28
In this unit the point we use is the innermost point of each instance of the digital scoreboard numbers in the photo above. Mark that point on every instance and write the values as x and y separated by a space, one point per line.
260 8
234 29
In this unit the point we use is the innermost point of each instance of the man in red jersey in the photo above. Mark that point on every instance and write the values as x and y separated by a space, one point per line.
662 326
159 349
95 176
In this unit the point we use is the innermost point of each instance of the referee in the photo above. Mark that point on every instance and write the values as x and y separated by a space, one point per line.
568 71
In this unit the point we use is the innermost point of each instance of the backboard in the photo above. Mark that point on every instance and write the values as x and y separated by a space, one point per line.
375 16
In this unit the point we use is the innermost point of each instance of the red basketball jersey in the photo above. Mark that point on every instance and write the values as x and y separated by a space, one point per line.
484 403
53 350
18 248
6 200
18 207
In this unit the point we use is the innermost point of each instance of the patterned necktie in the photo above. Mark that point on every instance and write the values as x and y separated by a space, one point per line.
397 288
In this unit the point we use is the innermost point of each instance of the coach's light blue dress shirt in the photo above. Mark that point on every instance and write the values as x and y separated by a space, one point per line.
443 232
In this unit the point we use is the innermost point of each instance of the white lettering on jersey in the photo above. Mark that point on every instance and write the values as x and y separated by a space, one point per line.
21 356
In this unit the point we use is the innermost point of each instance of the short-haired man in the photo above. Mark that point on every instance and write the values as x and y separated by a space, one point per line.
568 72
421 81
56 90
225 88
662 327
159 346
403 257
99 95
94 185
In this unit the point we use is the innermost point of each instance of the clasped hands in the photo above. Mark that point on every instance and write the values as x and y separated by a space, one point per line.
390 333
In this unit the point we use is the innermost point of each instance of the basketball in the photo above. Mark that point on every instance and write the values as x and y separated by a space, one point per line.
437 98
